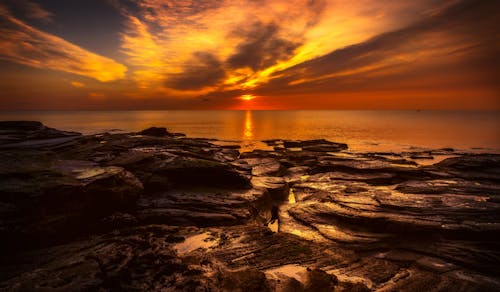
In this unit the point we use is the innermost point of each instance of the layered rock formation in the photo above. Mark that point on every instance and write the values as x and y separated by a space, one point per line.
157 210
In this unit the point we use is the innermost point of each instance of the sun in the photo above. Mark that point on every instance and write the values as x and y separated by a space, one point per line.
247 97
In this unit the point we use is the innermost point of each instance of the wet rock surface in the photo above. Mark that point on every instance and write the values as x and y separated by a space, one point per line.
159 211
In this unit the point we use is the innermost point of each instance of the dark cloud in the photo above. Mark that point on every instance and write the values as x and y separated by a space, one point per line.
263 47
203 70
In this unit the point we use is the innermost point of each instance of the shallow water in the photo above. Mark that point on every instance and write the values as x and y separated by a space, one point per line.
361 130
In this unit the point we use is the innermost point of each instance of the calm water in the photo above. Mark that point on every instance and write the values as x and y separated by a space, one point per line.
362 130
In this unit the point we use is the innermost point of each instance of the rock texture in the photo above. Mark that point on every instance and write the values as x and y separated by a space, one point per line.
159 211
12 132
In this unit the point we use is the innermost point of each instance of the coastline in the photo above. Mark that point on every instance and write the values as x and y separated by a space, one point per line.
154 209
373 131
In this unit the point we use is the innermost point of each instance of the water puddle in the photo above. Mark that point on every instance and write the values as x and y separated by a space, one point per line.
89 172
85 173
203 241
245 146
435 159
291 197
235 143
346 155
274 226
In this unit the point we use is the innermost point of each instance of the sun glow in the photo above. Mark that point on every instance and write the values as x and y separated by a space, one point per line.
247 97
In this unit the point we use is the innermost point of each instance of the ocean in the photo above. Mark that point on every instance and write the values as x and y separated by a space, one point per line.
475 131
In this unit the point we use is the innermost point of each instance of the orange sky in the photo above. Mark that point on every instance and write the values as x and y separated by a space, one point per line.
287 54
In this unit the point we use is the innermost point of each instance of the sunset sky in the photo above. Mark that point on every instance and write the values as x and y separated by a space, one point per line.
249 54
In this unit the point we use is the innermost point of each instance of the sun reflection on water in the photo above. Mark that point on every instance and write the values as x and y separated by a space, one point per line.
248 132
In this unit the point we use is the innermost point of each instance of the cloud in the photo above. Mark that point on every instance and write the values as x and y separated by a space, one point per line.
201 71
291 44
457 42
24 44
262 47
247 37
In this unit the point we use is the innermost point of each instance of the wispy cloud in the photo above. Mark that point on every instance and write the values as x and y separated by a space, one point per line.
24 44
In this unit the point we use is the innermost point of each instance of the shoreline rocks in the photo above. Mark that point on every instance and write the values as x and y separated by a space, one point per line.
158 210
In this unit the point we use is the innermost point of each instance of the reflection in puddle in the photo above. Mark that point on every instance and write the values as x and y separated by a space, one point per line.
203 240
89 172
433 160
274 226
291 197
86 173
344 155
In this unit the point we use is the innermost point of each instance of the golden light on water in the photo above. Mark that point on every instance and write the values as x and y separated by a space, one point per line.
248 132
247 97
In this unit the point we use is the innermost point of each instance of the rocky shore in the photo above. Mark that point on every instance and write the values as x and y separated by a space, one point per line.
156 210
